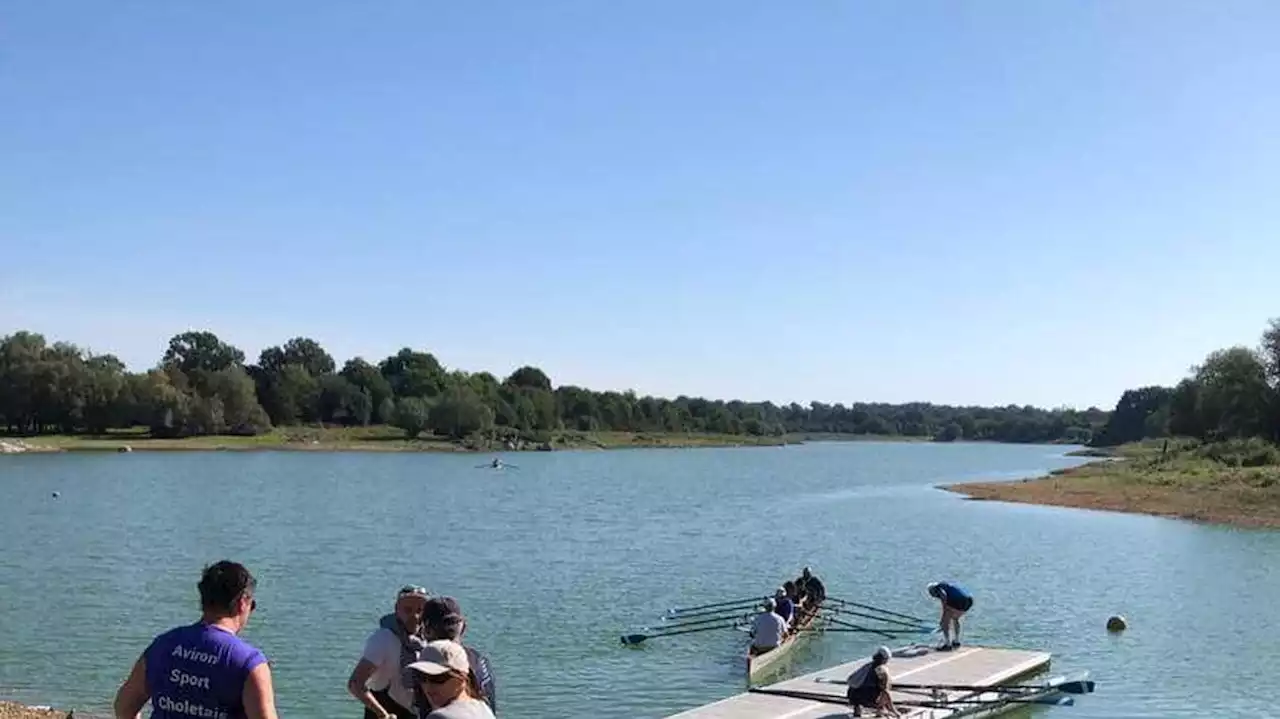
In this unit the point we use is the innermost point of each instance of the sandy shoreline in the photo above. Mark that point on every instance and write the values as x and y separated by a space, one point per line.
10 710
1237 498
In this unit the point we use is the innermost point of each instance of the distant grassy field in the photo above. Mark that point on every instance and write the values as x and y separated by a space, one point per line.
374 439
1236 483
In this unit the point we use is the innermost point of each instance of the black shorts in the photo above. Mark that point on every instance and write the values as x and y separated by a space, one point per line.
962 604
863 696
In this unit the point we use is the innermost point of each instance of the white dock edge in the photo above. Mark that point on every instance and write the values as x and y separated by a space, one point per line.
980 666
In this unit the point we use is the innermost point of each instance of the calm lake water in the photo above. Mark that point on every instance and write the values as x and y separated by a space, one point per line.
554 560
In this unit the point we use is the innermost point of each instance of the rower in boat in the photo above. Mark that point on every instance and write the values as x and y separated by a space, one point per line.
955 602
768 629
869 686
815 591
784 606
793 593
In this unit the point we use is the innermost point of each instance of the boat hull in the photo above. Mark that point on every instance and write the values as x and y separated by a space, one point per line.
759 664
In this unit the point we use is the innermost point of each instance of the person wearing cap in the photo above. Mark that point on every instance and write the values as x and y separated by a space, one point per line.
955 602
441 675
205 668
869 686
783 605
443 619
377 680
768 629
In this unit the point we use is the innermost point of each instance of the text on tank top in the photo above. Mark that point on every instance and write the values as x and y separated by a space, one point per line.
199 671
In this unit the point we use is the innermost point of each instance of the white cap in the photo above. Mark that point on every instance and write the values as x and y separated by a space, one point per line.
930 589
780 593
882 655
770 604
441 657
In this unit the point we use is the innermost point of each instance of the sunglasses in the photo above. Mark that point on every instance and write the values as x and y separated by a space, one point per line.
438 678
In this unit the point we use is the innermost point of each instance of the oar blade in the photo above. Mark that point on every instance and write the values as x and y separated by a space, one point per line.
1080 686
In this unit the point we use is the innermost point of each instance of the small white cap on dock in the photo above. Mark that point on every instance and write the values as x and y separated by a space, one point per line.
1116 623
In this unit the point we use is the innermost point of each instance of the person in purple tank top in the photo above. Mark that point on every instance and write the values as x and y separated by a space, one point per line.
204 669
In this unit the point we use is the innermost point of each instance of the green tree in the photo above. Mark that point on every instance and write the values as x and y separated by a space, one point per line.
367 378
413 374
412 414
201 350
342 402
530 378
459 412
1233 393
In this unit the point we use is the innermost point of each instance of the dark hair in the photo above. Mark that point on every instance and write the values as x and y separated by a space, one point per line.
222 584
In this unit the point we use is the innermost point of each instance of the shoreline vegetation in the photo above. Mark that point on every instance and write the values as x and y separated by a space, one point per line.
390 439
203 393
1234 483
1205 450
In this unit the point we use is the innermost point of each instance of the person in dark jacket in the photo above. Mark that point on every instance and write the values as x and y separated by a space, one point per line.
443 619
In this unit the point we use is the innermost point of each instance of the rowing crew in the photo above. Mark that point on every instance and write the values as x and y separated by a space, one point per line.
782 614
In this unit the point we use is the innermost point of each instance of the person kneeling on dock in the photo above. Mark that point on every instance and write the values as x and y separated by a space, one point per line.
955 602
869 686
768 630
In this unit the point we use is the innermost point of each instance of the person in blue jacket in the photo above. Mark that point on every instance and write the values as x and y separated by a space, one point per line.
955 602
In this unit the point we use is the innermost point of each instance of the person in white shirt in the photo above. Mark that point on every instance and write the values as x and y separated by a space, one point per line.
376 680
768 629
441 674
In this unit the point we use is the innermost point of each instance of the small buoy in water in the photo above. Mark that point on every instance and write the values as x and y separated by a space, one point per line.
1116 623
56 495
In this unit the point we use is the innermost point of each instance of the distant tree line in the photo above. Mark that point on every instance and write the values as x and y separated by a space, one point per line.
202 385
1233 394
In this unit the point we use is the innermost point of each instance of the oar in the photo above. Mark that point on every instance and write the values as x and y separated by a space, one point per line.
951 703
793 694
887 620
891 633
638 638
748 600
856 627
709 612
1075 686
870 608
696 622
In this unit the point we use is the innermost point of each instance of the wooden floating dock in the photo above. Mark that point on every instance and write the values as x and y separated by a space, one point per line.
969 666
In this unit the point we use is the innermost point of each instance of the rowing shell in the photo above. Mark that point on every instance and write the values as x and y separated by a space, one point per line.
759 663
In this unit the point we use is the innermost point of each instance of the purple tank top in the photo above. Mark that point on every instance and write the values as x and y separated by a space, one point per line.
199 671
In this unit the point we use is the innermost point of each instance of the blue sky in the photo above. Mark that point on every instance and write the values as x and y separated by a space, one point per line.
962 202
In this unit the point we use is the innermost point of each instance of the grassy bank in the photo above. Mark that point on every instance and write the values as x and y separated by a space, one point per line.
375 439
1235 483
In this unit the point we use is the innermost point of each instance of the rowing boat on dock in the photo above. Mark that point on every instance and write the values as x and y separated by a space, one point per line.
758 664
965 683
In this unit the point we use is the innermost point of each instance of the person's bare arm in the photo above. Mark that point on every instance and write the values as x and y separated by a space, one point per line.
357 687
259 696
133 694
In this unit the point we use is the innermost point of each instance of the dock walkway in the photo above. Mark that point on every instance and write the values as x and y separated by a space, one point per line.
980 666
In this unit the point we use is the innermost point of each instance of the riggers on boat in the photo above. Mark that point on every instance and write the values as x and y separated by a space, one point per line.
758 664
966 683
